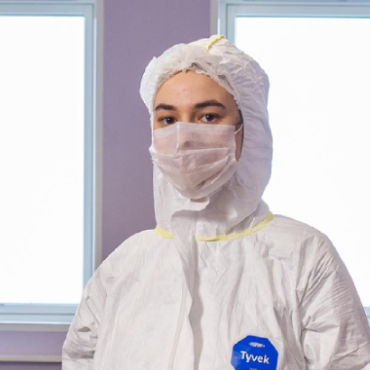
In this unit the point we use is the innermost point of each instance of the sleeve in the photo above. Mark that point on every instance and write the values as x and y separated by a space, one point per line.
336 332
79 346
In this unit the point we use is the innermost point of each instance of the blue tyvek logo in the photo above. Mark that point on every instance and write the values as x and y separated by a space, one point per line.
254 353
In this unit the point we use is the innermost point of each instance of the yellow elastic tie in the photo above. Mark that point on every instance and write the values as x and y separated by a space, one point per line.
223 237
218 38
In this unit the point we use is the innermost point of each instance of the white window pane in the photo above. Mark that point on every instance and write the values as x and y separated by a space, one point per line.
41 158
319 111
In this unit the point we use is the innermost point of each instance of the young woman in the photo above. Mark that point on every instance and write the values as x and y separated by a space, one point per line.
221 283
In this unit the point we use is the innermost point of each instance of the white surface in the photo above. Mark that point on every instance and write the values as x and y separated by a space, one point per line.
41 158
320 119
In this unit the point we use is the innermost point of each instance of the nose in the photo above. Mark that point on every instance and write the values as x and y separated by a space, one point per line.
184 140
185 116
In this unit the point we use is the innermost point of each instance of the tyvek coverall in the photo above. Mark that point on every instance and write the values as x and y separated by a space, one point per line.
255 275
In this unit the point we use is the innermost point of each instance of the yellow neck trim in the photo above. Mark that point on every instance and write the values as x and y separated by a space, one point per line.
233 236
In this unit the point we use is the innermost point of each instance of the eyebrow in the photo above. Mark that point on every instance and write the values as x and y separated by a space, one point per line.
204 104
209 103
165 107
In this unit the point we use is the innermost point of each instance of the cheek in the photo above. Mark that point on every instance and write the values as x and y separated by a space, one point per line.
156 125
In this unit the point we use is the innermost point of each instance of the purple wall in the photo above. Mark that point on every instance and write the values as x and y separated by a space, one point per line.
134 32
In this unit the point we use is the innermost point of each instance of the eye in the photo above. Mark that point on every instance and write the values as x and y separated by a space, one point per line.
209 117
167 120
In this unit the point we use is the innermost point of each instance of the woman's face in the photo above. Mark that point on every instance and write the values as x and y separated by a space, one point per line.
192 97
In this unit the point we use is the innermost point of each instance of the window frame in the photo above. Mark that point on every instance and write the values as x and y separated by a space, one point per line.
57 317
229 10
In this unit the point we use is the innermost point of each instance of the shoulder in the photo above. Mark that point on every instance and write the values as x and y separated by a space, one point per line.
138 240
123 255
308 253
313 259
291 228
293 237
132 245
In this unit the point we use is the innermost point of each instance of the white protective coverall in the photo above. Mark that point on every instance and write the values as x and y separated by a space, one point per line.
267 290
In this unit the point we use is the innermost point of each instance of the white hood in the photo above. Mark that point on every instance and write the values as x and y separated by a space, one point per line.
228 210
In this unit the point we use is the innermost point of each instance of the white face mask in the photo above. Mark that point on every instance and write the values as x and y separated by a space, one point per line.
197 159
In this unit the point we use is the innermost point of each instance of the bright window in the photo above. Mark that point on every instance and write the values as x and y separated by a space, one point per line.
318 63
47 151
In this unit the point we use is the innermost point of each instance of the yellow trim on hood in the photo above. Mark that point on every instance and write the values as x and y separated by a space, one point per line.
233 236
218 38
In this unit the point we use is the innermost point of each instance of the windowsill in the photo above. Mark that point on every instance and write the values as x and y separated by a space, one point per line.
52 318
32 326
50 323
34 359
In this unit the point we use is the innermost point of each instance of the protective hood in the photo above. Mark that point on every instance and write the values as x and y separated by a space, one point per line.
228 210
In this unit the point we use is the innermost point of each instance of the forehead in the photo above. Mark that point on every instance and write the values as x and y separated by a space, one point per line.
190 88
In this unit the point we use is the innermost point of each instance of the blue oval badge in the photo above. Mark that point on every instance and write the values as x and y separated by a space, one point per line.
254 353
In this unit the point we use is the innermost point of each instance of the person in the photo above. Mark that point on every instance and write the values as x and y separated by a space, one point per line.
221 283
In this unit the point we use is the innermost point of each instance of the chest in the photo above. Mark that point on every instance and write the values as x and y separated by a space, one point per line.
150 317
